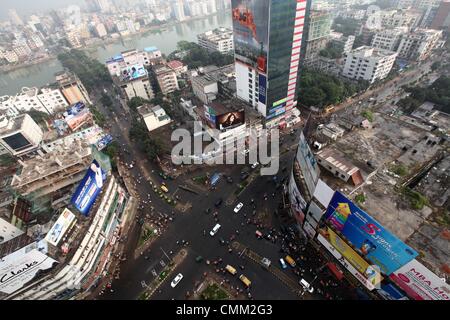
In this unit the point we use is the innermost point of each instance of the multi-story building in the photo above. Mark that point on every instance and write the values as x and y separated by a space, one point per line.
442 18
418 44
14 17
153 116
9 55
399 18
20 135
267 44
48 100
317 33
44 176
100 30
72 88
388 39
167 79
220 39
134 82
149 56
74 39
344 44
367 63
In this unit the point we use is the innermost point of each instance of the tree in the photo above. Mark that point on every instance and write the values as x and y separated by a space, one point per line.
106 100
136 102
38 116
436 65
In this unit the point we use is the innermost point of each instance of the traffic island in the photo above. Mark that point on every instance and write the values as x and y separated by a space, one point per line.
163 275
214 292
149 233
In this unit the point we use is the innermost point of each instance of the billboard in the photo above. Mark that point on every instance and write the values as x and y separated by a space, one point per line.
133 72
60 227
309 229
251 31
369 237
361 278
77 120
298 204
103 142
352 256
420 283
89 188
21 266
308 164
210 114
230 119
262 88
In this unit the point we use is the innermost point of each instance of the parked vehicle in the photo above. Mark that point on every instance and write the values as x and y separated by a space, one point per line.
214 230
238 207
176 280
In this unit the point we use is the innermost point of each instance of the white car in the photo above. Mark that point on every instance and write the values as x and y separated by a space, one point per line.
176 280
306 286
255 165
214 230
238 207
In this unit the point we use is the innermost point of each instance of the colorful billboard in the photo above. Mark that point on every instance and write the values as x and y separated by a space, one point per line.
420 283
89 188
76 121
298 204
369 237
307 164
60 227
230 119
262 88
251 31
133 72
352 256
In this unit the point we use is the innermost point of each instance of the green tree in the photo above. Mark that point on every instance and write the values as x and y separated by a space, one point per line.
38 116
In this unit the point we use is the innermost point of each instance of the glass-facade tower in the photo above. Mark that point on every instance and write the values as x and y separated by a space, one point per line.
268 40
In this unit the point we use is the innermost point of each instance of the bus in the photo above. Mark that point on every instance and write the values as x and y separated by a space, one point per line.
291 261
230 269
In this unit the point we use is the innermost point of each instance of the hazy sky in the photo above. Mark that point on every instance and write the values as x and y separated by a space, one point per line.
27 7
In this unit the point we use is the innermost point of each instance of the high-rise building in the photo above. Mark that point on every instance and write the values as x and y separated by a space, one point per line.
317 33
267 44
418 44
14 17
442 18
20 135
178 10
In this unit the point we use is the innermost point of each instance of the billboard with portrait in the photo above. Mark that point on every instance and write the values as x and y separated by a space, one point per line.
76 121
308 164
367 235
89 188
298 203
262 94
420 283
60 227
103 142
230 119
133 72
251 32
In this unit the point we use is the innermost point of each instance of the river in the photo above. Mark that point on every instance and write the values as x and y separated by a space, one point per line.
166 40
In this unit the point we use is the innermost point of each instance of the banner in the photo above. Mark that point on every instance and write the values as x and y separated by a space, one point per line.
298 204
369 237
420 283
308 164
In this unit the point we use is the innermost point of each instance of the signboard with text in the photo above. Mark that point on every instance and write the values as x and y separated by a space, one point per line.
368 236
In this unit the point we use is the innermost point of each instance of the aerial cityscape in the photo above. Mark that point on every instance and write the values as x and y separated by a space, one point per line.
233 150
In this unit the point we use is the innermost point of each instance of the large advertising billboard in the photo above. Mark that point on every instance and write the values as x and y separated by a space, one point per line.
103 142
60 227
133 72
352 256
21 266
89 188
308 164
77 115
420 283
298 203
230 119
369 237
251 31
342 260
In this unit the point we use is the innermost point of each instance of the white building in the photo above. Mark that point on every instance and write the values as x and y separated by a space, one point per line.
20 134
134 82
154 117
205 88
388 39
418 44
9 55
149 56
220 39
167 79
100 30
399 18
367 63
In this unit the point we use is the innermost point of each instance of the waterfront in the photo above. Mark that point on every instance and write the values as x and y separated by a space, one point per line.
166 40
